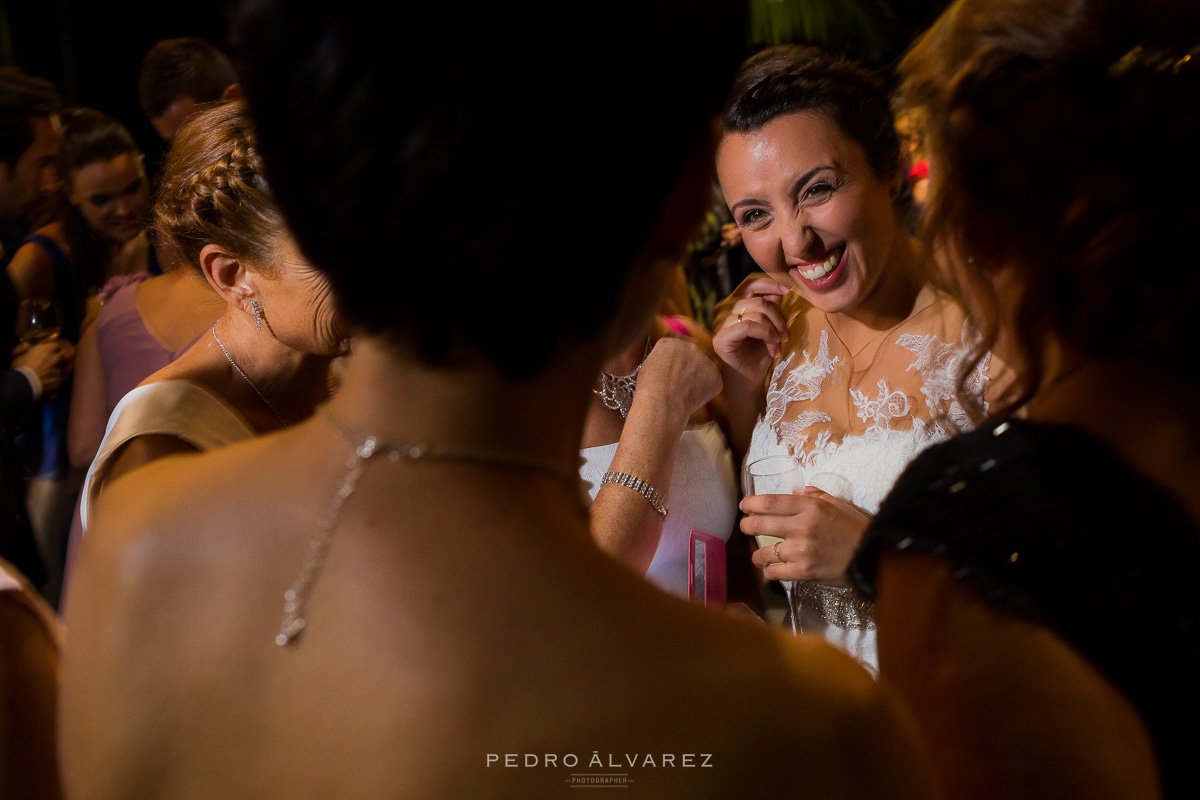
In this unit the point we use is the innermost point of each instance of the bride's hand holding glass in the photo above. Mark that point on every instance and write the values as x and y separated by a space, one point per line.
819 531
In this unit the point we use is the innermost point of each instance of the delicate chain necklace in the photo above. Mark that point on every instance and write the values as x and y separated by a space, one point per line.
246 377
616 391
366 446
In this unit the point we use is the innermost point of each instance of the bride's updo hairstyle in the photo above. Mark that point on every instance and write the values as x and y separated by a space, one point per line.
1063 139
212 191
482 188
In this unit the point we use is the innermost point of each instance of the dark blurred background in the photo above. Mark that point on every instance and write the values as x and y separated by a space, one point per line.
92 49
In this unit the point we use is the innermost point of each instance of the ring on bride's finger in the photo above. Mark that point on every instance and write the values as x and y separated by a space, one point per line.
743 311
775 550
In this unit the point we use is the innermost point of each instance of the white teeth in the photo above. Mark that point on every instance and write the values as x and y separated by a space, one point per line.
822 269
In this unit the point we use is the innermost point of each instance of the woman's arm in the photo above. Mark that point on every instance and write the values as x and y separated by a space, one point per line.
89 402
1007 708
676 379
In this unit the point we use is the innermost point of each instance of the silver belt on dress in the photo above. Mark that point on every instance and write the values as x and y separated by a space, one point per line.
836 605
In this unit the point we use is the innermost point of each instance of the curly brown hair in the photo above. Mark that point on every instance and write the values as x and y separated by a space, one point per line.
213 191
1065 157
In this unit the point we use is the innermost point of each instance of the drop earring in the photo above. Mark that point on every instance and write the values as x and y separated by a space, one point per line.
257 315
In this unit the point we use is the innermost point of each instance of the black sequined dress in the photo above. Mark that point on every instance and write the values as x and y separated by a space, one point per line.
1049 523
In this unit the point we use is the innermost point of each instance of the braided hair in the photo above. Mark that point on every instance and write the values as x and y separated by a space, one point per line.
213 191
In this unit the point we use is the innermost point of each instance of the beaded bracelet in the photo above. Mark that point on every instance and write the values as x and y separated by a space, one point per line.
638 485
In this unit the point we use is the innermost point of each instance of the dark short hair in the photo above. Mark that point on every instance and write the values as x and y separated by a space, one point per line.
1063 142
187 67
22 97
789 79
478 187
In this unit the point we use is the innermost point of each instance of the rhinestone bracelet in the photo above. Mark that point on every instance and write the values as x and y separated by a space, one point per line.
638 485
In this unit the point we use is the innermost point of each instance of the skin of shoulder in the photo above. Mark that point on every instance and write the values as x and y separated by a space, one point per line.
135 554
571 652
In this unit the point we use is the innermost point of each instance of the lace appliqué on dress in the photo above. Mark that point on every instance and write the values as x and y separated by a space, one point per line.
880 411
870 461
803 383
938 364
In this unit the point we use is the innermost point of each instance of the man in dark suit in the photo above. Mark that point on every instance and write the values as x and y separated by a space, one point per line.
28 148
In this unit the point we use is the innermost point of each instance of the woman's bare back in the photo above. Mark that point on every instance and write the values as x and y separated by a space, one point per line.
454 643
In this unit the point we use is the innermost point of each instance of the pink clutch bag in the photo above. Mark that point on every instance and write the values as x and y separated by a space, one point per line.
706 568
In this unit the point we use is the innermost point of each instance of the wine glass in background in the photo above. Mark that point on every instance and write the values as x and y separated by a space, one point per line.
776 475
38 321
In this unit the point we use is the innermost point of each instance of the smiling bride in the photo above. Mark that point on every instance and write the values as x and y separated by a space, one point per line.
845 354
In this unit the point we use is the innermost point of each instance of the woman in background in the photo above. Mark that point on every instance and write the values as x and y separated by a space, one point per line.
99 231
1036 578
264 364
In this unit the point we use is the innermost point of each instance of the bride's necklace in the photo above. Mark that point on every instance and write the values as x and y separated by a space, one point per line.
246 377
616 391
365 447
854 354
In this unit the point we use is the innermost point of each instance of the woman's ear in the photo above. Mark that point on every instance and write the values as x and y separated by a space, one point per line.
227 275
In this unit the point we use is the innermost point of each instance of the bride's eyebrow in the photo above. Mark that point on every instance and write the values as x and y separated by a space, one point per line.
803 180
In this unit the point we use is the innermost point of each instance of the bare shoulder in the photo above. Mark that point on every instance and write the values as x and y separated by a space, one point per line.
852 725
776 712
148 614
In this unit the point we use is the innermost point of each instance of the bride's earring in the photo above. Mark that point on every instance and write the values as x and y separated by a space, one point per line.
257 315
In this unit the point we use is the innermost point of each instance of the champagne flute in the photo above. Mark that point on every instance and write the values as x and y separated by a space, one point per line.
777 475
38 321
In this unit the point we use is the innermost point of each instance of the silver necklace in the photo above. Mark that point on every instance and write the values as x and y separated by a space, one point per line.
246 377
364 448
616 391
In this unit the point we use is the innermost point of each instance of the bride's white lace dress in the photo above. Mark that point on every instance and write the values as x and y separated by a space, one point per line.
863 416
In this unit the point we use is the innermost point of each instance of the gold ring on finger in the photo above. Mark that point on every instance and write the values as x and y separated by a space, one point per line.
743 311
775 551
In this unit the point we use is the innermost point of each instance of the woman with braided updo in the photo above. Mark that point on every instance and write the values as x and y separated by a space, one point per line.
265 363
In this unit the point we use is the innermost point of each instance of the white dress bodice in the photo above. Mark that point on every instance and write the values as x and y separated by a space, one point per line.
863 417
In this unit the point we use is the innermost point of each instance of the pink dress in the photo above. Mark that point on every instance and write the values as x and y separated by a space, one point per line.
127 350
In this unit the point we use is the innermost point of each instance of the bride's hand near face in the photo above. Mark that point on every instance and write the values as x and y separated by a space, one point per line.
746 341
748 337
